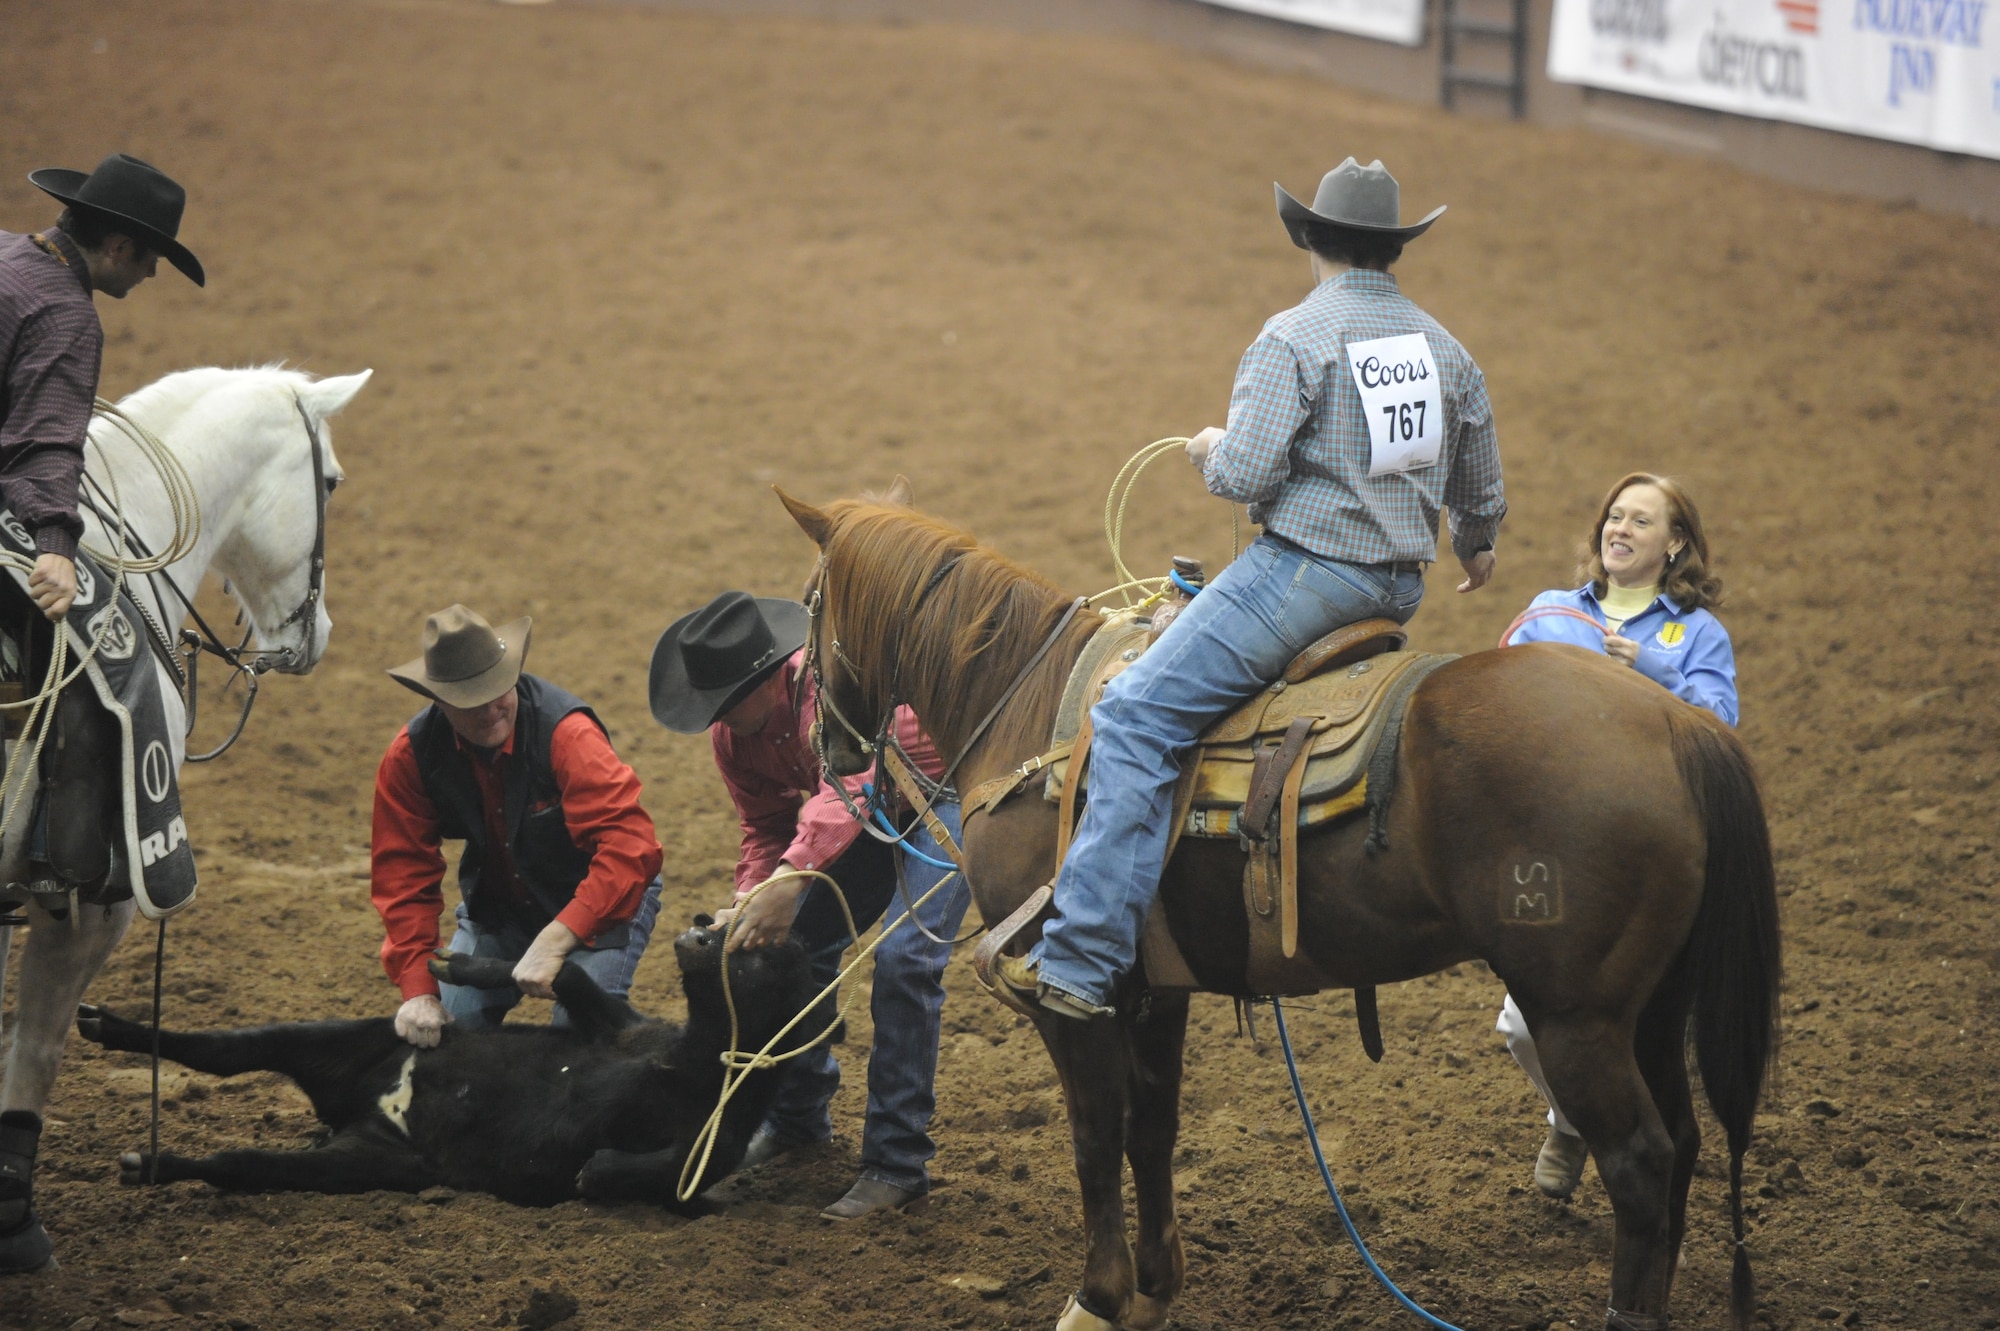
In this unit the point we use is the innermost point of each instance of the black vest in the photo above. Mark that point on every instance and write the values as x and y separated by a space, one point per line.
549 864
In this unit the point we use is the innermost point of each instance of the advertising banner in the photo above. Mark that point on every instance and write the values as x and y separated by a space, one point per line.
1918 71
1400 21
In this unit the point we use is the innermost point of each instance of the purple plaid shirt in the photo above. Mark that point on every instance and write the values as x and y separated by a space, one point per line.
51 348
1297 449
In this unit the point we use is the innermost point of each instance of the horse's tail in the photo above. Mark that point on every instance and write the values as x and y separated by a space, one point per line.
1734 952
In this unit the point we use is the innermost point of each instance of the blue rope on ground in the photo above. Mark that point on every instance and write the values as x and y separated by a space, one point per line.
1340 1208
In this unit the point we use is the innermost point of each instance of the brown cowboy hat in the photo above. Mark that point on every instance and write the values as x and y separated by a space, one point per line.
466 662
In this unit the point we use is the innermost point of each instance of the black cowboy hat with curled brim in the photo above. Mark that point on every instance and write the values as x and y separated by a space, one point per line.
1356 197
142 199
466 661
708 661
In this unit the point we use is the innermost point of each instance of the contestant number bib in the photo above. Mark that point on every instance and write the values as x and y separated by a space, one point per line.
1398 383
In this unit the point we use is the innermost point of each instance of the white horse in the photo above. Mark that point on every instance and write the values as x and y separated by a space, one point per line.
243 438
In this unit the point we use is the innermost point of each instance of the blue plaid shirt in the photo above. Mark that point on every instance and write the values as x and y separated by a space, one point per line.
1297 449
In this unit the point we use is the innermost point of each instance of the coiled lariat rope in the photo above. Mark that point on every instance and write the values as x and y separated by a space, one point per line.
1115 502
738 1065
40 708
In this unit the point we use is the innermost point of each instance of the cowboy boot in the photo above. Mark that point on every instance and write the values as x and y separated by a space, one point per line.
1019 976
869 1196
24 1245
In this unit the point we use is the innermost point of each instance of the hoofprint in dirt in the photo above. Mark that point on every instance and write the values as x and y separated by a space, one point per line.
877 249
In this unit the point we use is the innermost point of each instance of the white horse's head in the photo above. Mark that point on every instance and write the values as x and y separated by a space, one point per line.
274 551
256 448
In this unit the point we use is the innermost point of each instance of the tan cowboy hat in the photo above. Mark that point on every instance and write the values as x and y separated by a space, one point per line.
466 663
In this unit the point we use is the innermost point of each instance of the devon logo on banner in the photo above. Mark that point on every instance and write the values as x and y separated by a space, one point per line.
1918 71
1399 21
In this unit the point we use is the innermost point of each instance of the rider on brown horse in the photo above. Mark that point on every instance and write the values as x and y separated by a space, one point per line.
1355 416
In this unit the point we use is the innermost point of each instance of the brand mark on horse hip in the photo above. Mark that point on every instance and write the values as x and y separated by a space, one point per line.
1531 892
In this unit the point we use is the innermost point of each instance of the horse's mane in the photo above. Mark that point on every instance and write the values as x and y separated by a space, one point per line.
170 393
880 557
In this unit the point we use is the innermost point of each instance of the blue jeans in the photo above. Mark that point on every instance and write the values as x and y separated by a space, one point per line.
481 1009
1232 640
907 1004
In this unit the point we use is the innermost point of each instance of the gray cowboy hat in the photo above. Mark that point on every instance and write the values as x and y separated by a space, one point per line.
466 661
708 661
138 194
1360 198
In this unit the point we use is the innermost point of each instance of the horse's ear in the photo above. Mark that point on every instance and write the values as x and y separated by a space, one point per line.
813 522
899 492
324 397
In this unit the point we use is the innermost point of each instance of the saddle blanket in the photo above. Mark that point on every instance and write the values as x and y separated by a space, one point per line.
132 685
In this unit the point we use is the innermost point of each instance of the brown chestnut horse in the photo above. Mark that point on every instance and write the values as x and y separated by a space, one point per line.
1643 807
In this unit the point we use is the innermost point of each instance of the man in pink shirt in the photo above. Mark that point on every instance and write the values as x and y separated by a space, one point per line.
735 668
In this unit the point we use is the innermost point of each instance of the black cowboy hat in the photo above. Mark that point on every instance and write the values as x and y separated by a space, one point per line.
707 662
1357 197
135 193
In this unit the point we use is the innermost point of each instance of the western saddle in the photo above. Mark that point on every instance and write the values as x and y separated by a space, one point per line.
1316 745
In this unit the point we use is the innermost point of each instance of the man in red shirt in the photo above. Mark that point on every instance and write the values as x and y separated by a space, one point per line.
560 860
735 668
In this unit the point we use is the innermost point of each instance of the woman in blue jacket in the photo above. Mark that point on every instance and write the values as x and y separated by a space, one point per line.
1645 579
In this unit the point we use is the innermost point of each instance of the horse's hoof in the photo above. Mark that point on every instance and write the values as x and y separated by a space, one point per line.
1146 1314
1076 1317
27 1251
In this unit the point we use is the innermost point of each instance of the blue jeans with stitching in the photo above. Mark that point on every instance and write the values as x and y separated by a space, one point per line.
1231 641
906 1004
612 967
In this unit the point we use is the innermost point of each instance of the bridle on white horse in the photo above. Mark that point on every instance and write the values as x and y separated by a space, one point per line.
246 662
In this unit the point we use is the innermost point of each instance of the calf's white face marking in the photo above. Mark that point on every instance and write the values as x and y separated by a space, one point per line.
395 1102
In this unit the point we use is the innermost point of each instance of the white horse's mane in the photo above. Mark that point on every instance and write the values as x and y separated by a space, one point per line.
168 395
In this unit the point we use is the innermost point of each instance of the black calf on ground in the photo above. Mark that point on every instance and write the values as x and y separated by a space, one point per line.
520 1111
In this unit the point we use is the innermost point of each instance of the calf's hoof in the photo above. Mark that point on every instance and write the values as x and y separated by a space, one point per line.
473 972
27 1250
133 1171
99 1025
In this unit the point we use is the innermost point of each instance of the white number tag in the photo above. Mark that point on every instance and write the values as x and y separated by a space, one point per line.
1398 382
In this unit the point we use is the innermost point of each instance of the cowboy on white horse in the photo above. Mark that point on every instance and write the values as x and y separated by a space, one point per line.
118 222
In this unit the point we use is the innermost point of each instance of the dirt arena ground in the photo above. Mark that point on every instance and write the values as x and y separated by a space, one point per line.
618 271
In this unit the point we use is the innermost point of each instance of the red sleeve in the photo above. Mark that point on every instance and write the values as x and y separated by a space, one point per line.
767 811
825 828
600 800
406 873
